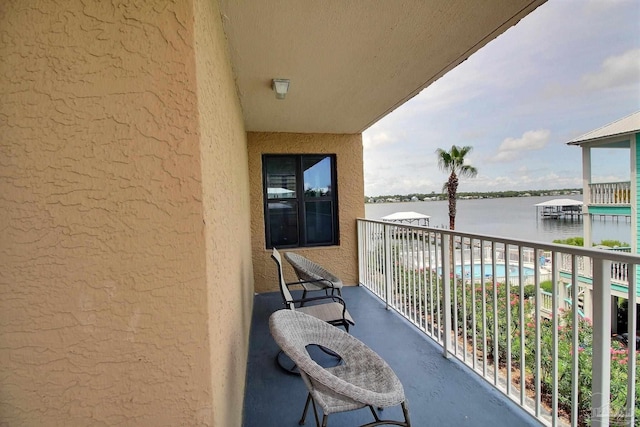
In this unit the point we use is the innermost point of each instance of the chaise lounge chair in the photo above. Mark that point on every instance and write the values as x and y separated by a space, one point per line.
313 276
329 308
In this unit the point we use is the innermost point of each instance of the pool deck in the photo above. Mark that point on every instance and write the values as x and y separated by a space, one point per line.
440 392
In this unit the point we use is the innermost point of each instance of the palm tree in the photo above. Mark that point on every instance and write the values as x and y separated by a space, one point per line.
453 162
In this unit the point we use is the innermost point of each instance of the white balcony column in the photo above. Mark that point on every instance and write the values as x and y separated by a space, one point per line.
586 195
601 342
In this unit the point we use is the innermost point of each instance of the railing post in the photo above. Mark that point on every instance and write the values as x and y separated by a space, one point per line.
446 291
388 276
631 328
361 252
601 342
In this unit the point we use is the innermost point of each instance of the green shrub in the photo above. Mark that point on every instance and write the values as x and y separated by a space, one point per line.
546 286
614 244
573 241
579 241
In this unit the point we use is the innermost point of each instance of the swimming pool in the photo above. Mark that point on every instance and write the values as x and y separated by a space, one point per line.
488 271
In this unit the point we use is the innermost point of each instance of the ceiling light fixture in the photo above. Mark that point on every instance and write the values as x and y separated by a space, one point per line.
280 87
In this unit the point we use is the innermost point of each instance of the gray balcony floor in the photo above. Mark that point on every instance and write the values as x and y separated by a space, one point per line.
440 392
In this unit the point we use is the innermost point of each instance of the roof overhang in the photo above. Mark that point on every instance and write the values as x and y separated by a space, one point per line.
617 134
561 202
350 63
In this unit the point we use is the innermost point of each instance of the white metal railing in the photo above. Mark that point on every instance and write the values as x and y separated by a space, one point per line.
610 193
487 311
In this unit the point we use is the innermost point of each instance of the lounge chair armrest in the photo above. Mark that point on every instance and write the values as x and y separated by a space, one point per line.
302 282
335 298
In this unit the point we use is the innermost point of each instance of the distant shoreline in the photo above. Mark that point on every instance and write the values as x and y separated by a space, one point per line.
432 197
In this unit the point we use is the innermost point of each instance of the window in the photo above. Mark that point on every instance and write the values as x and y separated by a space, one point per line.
300 200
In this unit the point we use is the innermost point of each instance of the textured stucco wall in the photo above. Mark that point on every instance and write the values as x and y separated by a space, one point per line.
341 260
225 179
105 291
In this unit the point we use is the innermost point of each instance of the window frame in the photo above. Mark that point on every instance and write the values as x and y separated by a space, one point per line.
301 200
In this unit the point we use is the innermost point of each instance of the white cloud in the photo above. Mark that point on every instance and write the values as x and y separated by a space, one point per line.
377 139
531 140
619 70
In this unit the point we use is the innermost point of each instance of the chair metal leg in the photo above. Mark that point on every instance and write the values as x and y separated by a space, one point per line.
315 413
373 412
304 413
405 411
383 422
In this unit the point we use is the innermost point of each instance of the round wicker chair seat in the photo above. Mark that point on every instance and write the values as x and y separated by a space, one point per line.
363 379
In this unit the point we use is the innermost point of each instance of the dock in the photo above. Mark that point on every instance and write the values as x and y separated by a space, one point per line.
559 209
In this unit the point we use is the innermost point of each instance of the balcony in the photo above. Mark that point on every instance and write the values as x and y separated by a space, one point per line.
440 392
427 293
610 194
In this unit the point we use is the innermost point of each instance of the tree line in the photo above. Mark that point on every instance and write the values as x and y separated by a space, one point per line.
474 195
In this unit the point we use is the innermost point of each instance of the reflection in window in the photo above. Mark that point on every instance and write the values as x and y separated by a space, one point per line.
317 176
281 178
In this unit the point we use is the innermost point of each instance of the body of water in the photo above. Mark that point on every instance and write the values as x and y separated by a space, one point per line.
513 217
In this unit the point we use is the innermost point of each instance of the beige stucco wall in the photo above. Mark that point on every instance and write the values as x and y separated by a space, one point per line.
225 179
121 301
342 259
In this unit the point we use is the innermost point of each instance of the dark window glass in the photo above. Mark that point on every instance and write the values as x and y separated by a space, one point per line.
319 222
300 200
283 223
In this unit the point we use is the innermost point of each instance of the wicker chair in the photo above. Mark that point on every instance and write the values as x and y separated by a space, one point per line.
364 379
329 308
314 276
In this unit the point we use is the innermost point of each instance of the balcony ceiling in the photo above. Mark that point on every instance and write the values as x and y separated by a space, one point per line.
351 62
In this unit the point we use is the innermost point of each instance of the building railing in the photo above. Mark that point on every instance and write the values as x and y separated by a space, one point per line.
610 193
546 303
485 308
584 266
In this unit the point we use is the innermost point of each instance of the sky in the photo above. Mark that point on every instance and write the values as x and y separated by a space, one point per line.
569 67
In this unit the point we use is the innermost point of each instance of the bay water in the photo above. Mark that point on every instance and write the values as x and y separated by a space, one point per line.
511 217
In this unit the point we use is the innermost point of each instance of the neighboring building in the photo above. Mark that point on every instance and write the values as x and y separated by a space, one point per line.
138 144
612 198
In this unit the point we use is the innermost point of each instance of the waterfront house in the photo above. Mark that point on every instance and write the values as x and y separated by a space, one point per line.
610 201
139 144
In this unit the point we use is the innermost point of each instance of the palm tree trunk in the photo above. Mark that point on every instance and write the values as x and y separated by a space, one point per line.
452 189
